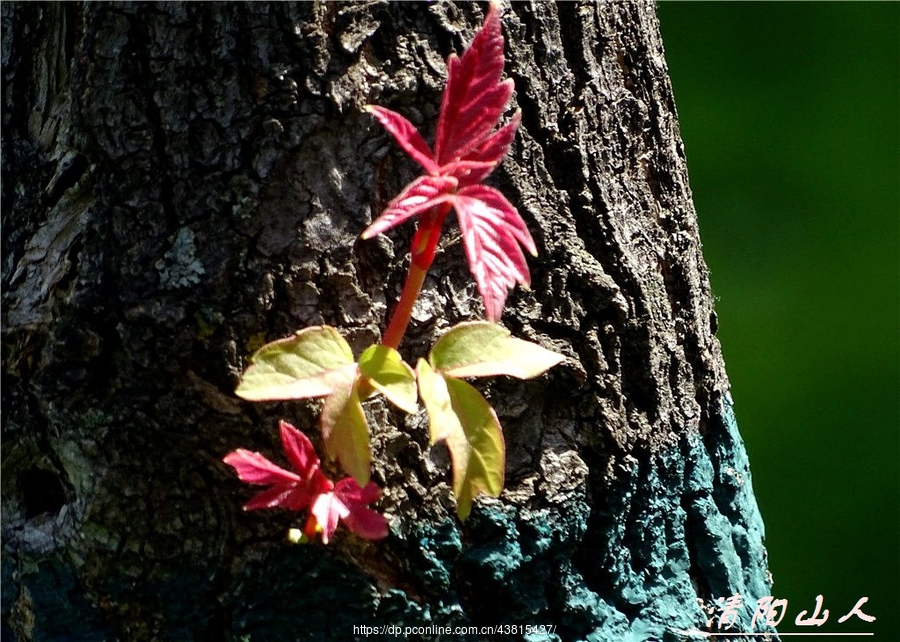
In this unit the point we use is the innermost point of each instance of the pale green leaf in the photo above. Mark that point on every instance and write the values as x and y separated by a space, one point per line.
461 417
297 367
344 427
482 349
390 375
443 422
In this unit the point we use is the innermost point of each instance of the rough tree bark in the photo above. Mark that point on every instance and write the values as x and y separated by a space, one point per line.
184 181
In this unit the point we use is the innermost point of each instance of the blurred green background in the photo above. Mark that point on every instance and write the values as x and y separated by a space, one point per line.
791 123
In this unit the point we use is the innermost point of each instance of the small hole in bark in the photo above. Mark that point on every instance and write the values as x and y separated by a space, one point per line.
43 492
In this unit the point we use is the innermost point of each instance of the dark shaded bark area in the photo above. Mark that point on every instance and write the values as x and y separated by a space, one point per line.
182 182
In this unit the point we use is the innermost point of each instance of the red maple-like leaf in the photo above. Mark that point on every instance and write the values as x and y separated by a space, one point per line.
467 148
292 490
308 488
347 502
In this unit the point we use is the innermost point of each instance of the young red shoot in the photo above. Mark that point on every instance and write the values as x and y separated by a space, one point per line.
466 149
308 488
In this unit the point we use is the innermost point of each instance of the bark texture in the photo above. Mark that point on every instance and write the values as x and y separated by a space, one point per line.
182 182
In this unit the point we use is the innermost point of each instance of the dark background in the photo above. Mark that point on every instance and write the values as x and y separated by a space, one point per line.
791 123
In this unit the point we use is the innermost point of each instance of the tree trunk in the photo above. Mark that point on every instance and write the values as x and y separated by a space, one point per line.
182 182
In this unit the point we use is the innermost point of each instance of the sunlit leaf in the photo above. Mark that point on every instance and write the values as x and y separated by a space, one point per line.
483 349
363 521
491 151
465 421
344 427
492 232
474 97
419 196
390 375
468 146
406 134
297 367
293 490
254 468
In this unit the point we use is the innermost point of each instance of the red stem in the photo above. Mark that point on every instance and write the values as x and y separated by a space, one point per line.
397 327
424 247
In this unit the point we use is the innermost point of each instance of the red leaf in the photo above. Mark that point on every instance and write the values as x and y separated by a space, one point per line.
466 150
327 510
491 151
298 448
366 523
292 497
474 98
351 494
407 136
289 490
347 503
363 521
507 216
492 233
253 468
465 170
327 503
419 196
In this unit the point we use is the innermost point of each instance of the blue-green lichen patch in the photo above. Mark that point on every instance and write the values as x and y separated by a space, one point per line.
521 558
433 551
671 534
734 497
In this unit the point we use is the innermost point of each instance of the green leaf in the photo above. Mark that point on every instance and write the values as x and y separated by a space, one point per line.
390 375
297 367
461 417
481 349
344 426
